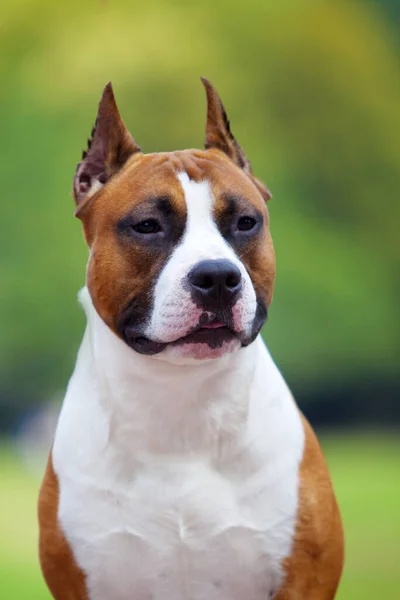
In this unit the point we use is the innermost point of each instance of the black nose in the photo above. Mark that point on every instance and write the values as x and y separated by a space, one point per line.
215 284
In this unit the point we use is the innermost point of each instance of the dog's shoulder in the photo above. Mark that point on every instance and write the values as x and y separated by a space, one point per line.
315 564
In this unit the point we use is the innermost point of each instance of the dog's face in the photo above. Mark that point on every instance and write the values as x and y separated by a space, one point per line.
181 259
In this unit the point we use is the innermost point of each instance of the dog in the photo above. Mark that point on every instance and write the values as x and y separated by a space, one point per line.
181 468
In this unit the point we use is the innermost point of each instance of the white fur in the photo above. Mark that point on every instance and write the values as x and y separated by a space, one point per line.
95 186
174 312
177 482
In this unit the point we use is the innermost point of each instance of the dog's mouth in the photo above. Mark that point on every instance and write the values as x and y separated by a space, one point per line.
213 332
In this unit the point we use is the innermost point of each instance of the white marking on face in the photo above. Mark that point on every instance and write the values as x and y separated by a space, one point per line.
175 314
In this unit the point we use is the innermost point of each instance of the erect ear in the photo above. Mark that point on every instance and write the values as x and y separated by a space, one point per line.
218 135
108 149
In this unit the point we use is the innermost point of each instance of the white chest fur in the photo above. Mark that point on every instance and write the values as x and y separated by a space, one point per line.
177 482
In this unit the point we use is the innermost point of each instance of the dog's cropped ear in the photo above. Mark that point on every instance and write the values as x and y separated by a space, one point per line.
218 135
108 149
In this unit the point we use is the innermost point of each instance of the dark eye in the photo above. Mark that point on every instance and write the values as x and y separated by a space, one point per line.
147 226
246 223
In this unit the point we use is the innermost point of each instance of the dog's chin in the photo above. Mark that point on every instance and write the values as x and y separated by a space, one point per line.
199 351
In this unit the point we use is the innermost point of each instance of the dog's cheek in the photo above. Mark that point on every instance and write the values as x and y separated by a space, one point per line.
243 313
115 276
261 266
104 290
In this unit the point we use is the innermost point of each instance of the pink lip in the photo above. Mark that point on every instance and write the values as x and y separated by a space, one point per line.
214 325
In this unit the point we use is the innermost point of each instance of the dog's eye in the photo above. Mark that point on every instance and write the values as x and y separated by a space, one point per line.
147 226
246 223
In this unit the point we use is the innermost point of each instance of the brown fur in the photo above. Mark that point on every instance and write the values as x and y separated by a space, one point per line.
64 579
315 565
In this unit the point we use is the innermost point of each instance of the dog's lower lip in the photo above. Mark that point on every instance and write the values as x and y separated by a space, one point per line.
212 336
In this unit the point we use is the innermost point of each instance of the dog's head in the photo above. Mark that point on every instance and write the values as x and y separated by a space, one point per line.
181 258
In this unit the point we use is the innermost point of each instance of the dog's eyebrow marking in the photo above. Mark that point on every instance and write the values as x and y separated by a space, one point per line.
163 204
233 197
234 200
236 203
231 204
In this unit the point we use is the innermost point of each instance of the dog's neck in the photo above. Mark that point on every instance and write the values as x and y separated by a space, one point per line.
158 407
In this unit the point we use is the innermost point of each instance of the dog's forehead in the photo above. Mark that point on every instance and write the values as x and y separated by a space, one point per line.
151 176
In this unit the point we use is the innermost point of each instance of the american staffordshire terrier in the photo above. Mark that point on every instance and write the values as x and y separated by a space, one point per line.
182 468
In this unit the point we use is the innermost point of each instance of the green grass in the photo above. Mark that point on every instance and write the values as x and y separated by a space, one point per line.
366 474
20 576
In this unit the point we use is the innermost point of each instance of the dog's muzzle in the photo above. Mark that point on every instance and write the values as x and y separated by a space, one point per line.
208 311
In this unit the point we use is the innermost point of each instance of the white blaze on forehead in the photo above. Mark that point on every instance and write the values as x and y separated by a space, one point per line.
199 202
174 312
202 238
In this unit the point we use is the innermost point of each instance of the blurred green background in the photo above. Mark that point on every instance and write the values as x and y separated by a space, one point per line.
313 93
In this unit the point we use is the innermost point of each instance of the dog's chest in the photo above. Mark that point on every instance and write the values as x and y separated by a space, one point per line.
180 531
168 496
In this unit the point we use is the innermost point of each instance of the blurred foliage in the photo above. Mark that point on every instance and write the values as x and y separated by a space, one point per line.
364 469
313 93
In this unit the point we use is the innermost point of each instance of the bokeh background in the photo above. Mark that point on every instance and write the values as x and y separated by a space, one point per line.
313 93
